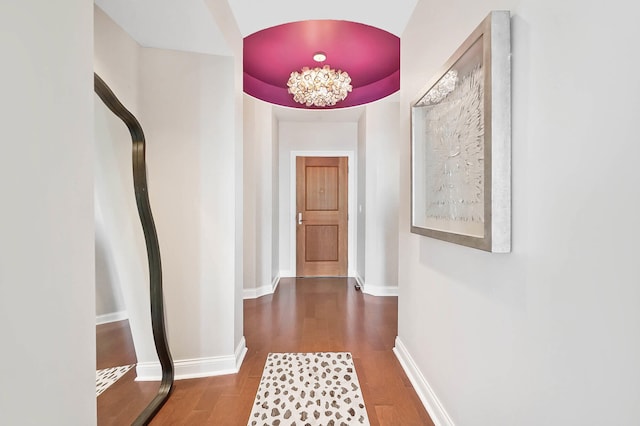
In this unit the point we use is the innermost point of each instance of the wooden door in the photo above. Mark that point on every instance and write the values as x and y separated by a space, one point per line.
321 215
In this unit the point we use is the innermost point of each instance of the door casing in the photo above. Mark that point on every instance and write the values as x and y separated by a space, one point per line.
351 258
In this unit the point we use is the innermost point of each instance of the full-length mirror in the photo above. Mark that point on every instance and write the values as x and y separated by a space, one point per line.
134 367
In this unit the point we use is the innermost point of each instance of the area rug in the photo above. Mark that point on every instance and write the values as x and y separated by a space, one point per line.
300 389
108 376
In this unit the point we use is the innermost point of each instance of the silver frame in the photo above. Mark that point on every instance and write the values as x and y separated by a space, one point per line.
495 30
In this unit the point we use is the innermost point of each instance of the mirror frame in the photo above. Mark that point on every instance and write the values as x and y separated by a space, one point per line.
153 249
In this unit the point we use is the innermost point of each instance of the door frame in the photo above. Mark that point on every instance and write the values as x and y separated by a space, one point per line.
353 217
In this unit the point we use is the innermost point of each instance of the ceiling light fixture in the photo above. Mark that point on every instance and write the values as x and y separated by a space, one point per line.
319 57
319 86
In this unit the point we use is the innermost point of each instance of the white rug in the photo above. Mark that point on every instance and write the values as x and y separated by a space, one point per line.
108 376
315 389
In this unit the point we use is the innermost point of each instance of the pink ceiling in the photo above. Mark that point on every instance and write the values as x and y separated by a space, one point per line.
370 55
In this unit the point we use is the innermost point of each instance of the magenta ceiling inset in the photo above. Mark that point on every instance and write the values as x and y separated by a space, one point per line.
370 55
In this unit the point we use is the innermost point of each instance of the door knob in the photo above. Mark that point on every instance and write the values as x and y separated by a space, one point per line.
299 218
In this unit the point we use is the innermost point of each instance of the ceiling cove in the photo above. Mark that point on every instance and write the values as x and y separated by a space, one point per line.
371 57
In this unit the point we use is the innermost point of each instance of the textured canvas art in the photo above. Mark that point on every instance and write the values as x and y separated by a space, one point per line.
461 144
454 152
450 144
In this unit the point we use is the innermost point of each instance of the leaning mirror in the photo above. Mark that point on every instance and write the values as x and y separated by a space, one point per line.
132 353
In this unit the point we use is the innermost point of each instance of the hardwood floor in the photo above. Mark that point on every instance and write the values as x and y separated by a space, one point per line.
114 345
121 403
304 315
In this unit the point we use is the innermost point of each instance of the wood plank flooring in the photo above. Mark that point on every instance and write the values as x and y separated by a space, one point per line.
304 315
114 345
121 403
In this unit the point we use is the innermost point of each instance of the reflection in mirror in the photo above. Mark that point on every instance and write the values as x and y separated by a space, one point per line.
131 338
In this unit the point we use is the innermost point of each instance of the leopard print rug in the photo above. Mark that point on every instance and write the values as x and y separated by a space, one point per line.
108 376
309 389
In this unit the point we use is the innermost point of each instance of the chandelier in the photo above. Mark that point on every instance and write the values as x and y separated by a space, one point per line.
441 89
319 86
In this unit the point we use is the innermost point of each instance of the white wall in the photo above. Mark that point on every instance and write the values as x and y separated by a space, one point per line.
275 200
116 59
185 104
112 188
118 230
362 198
251 162
225 20
381 200
550 333
260 206
312 137
109 300
47 310
191 154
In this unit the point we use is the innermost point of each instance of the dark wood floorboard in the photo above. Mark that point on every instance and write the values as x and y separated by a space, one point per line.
121 403
304 315
114 345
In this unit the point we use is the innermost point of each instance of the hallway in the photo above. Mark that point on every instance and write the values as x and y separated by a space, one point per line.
304 315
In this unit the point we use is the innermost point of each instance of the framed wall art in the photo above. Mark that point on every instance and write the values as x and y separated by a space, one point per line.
461 144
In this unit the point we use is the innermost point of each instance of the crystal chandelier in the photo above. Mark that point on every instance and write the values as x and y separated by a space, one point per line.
319 86
441 89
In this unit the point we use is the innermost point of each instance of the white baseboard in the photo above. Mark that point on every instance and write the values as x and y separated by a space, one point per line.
148 372
287 274
376 290
380 290
359 280
196 368
112 317
254 293
425 392
275 283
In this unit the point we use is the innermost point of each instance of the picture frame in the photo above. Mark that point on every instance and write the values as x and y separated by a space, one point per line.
461 144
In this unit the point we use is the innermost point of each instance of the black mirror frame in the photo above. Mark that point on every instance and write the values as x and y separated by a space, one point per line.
153 248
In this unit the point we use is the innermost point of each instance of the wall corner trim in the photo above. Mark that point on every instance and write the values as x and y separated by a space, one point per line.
274 283
112 317
359 280
380 290
197 367
376 290
287 274
254 293
423 389
240 353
